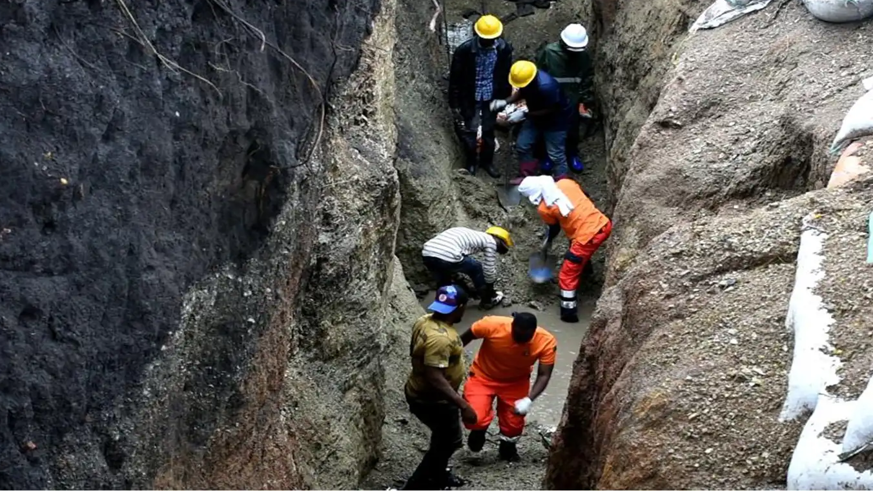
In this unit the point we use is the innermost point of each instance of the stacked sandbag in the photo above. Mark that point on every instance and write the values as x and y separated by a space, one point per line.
840 10
829 315
857 123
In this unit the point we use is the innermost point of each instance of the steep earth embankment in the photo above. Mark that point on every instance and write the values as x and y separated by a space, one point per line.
195 261
685 369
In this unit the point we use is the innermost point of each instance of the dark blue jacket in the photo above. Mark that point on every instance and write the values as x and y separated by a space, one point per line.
545 92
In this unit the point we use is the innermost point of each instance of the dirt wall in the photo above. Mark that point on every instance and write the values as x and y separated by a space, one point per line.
194 263
685 367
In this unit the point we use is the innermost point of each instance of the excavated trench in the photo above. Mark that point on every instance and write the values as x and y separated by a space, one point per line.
211 218
472 202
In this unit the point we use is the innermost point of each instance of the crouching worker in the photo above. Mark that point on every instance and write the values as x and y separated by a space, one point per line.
564 206
501 370
432 387
449 253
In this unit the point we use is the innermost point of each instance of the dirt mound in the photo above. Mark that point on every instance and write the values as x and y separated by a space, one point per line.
684 370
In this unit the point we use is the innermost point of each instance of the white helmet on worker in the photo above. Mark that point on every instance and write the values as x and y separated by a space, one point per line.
575 37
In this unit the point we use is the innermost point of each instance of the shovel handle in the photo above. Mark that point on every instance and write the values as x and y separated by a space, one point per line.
545 248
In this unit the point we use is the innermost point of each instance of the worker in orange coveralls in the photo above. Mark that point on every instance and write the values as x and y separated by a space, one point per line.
501 369
564 206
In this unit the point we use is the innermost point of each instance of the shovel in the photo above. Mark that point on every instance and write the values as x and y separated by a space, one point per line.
508 195
542 265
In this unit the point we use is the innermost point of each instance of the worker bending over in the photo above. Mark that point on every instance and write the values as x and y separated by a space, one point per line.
479 74
449 253
501 370
548 115
568 61
564 206
432 387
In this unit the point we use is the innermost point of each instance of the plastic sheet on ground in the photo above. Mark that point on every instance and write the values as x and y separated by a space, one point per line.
840 10
857 123
458 33
723 11
867 83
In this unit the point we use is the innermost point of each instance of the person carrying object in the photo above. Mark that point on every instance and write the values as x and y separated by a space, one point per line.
564 206
479 74
568 61
438 369
450 253
548 115
501 370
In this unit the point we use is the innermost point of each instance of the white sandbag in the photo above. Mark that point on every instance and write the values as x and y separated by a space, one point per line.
857 123
840 10
813 368
860 429
723 11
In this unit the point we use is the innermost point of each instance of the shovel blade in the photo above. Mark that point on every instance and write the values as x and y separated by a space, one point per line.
541 268
508 195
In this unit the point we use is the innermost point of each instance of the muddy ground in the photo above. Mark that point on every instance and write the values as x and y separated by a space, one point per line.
404 438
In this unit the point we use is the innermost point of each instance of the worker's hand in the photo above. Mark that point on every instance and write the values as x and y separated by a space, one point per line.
522 406
497 105
469 416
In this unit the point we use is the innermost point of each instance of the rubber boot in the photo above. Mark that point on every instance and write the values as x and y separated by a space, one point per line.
491 171
508 451
453 481
569 315
476 440
576 164
525 169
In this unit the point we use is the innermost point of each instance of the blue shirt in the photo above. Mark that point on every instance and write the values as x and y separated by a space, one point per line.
543 93
486 59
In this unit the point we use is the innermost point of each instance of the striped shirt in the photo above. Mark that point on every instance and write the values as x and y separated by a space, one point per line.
455 243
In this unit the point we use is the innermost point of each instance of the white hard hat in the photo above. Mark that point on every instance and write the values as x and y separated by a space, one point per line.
575 37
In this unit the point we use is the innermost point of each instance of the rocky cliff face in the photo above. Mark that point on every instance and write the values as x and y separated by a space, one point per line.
198 214
685 369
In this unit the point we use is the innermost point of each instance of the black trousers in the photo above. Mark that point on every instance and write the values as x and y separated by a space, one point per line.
478 114
572 144
444 421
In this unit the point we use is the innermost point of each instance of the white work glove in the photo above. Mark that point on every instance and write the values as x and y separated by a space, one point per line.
522 406
497 105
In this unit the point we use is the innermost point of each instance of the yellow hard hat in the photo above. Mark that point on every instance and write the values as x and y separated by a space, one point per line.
522 73
500 233
488 27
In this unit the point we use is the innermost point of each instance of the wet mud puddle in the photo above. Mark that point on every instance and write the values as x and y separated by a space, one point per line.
547 409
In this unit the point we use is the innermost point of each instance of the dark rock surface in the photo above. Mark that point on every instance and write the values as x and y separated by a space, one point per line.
132 190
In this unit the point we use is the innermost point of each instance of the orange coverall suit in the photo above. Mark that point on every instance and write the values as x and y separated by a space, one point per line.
502 369
587 228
